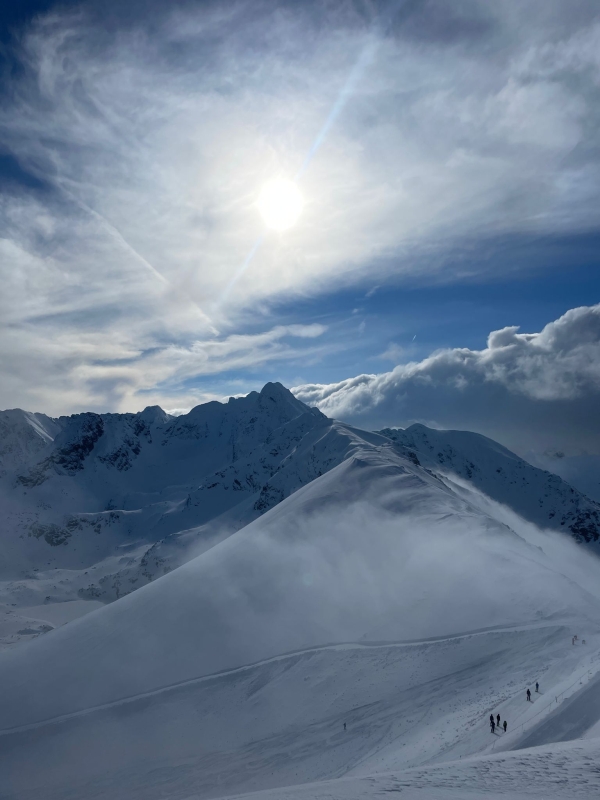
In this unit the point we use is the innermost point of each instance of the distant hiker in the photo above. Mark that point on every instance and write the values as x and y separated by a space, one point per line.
537 687
491 719
504 726
528 695
498 720
344 726
492 725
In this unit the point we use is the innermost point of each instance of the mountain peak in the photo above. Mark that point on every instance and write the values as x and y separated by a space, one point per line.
154 414
280 396
275 387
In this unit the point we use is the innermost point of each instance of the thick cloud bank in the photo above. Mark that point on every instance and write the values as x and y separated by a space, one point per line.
529 390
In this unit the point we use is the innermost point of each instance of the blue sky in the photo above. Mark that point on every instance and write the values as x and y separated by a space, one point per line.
417 318
449 160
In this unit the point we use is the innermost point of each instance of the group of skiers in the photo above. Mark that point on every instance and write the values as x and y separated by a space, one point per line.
495 723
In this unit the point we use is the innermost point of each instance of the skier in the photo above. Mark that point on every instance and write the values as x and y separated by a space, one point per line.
504 726
498 720
528 695
492 725
537 687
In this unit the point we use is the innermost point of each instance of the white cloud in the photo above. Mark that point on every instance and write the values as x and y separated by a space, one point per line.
530 390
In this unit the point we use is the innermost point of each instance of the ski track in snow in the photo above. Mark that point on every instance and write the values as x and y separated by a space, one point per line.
343 646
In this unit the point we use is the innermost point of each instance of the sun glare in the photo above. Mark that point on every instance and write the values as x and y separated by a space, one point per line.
280 204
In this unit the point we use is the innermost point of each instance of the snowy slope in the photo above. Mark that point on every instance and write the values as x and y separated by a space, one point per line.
184 688
361 552
280 723
553 772
535 494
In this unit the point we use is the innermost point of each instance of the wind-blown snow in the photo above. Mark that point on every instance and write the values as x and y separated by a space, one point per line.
536 494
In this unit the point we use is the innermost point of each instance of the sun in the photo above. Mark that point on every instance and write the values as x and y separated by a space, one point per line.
280 204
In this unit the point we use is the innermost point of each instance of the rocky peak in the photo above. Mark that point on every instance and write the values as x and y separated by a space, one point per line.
153 415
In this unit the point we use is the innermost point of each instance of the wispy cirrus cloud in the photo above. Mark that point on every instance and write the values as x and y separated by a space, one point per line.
147 146
120 371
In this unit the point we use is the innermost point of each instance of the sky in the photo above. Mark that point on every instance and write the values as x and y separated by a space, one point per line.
444 267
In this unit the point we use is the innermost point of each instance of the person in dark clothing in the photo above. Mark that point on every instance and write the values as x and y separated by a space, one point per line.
492 725
498 720
491 718
528 694
344 726
537 687
504 726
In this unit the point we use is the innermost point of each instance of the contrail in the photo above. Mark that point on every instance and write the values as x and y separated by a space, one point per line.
113 231
118 236
378 28
356 73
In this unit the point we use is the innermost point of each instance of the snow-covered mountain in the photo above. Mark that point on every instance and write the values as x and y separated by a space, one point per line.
536 494
97 505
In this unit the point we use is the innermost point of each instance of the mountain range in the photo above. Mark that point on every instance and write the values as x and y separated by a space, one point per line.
97 505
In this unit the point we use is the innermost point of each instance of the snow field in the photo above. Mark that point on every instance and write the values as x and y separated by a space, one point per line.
281 722
553 772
